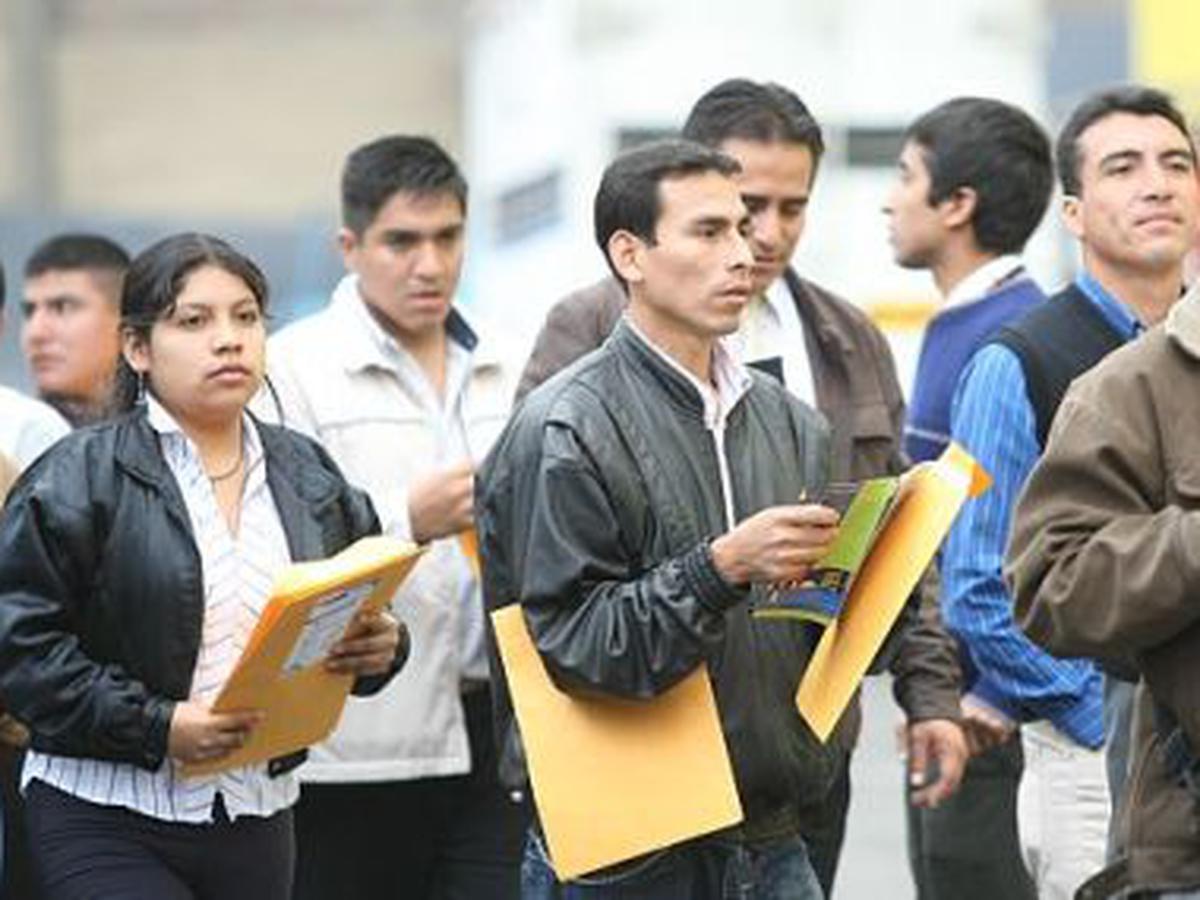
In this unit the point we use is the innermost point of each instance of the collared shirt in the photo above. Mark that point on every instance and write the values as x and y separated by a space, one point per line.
730 383
344 380
238 572
984 280
771 329
27 427
993 419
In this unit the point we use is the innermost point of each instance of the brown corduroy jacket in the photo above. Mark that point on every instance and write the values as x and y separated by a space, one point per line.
1104 562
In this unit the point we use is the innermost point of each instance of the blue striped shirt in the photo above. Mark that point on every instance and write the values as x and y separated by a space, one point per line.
991 416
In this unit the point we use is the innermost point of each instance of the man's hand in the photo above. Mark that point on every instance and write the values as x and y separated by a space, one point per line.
778 544
985 728
197 734
439 504
937 755
369 645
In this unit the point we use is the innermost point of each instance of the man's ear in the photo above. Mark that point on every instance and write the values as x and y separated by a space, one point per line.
348 246
626 251
959 208
1071 211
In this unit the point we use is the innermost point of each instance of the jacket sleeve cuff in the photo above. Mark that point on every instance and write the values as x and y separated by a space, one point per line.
158 730
928 701
367 685
710 588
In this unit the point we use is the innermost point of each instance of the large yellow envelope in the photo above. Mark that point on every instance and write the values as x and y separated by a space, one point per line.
930 497
281 671
615 779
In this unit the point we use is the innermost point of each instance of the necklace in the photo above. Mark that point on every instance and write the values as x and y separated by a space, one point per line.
232 470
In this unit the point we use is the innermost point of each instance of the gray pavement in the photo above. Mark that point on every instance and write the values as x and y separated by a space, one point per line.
874 861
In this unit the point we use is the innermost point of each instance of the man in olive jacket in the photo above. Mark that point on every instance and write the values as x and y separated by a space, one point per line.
1104 562
828 353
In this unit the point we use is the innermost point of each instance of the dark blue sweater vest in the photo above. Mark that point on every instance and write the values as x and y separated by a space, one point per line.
950 341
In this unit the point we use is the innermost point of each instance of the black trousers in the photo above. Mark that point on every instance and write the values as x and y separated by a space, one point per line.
85 850
454 837
968 846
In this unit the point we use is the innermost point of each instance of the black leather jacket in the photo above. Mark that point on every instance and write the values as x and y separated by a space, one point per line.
596 508
101 596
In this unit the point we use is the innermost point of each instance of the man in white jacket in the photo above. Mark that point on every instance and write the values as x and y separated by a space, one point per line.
403 799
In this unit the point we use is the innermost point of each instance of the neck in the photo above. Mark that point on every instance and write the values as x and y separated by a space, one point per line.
218 441
690 350
956 263
83 410
427 347
1150 294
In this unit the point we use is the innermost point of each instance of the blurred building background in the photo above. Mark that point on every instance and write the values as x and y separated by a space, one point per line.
139 117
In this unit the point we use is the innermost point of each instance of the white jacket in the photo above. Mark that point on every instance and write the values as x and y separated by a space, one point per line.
340 378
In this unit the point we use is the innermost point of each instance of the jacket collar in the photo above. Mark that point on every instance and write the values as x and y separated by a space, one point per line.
295 481
830 331
366 345
1183 322
649 362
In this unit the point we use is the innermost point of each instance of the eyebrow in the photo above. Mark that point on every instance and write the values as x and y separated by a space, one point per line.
67 297
409 234
1135 155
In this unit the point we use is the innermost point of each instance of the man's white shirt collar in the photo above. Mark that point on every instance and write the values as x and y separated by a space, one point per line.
981 282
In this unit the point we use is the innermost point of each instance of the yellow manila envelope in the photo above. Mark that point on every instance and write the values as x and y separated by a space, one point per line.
281 670
930 497
614 779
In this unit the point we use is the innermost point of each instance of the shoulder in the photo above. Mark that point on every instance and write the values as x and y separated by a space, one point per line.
598 304
76 468
27 426
315 328
1154 359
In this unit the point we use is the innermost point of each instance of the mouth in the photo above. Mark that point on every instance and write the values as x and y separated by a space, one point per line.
230 373
1159 219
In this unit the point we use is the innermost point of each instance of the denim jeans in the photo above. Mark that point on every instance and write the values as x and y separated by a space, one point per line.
704 869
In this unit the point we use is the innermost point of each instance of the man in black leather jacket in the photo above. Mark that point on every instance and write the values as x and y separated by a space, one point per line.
607 510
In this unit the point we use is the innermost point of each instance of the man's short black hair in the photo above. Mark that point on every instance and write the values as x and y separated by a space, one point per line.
77 252
753 111
375 172
998 151
628 198
1135 99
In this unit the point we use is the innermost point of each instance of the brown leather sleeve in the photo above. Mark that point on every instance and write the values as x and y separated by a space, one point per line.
575 325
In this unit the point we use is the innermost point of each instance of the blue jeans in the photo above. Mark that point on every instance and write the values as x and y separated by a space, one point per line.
704 869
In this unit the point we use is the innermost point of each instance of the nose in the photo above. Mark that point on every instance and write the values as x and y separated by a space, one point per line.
36 327
1157 182
742 256
429 263
766 229
226 335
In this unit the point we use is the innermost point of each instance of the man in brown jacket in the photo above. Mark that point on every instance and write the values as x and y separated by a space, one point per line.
828 353
1104 562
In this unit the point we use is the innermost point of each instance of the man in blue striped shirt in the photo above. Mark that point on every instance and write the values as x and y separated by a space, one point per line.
1127 169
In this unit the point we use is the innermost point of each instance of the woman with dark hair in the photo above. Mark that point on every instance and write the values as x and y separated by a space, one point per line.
135 557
